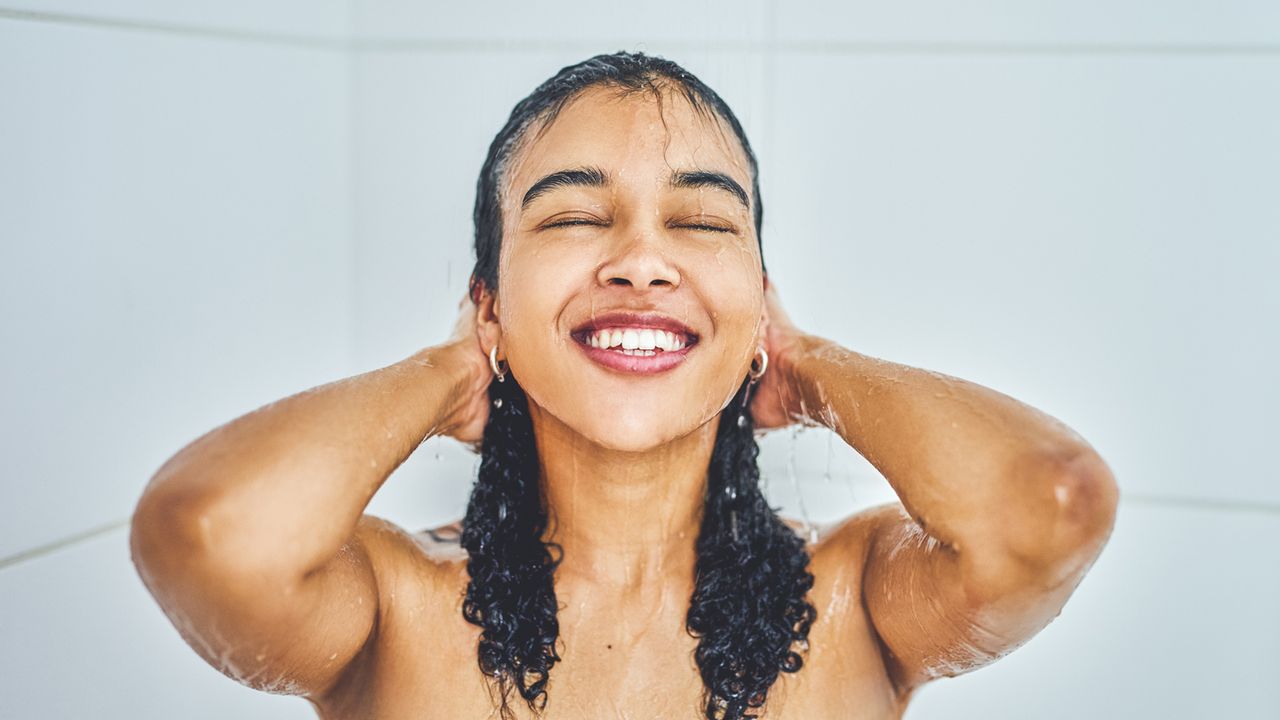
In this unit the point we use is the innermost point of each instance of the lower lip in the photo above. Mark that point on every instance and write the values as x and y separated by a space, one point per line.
661 361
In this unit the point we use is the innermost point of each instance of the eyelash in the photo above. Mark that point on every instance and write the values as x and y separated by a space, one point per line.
711 228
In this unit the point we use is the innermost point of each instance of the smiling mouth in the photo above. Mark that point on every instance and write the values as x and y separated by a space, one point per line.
636 351
636 341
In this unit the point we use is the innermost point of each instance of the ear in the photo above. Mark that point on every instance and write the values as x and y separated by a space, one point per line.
488 329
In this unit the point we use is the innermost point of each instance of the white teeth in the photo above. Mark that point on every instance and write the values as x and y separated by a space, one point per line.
637 341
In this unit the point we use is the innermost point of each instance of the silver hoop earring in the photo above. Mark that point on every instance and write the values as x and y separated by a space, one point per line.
493 363
764 364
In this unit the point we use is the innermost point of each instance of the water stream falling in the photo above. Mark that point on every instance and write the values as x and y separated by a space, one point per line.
811 530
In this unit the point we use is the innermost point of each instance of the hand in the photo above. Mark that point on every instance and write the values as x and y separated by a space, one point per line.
466 424
775 401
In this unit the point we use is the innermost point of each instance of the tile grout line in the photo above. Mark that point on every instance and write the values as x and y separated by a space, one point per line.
406 44
816 47
1200 503
59 544
218 33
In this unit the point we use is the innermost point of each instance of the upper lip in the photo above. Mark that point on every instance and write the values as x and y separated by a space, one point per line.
634 319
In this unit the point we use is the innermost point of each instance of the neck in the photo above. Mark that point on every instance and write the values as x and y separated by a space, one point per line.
627 520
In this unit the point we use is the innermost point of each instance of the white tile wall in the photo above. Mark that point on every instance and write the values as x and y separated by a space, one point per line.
206 207
175 253
1094 236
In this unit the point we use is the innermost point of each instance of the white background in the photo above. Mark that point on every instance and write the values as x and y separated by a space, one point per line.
208 206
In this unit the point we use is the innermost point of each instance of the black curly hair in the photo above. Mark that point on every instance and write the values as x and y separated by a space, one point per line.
749 605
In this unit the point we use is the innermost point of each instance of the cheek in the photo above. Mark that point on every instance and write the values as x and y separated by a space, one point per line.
536 291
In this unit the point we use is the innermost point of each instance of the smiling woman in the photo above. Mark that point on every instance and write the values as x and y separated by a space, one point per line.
618 349
636 240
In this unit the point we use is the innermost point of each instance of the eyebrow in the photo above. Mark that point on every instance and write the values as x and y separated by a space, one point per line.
595 177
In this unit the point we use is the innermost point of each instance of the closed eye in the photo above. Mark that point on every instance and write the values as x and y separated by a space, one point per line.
711 228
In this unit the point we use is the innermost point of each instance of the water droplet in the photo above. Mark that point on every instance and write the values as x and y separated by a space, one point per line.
497 402
502 511
731 491
742 421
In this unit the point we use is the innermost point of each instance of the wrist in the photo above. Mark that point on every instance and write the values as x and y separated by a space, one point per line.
800 365
458 369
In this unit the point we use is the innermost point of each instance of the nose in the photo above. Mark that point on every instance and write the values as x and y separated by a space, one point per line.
641 262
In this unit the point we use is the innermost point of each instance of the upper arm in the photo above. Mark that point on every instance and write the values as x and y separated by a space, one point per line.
940 612
271 631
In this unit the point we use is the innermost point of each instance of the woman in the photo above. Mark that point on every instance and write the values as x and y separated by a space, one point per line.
621 345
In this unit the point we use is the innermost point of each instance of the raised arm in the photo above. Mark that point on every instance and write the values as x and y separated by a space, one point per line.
1003 508
251 538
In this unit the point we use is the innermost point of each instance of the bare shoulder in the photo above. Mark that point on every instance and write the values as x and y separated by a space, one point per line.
442 544
407 563
838 553
856 530
846 658
421 581
844 541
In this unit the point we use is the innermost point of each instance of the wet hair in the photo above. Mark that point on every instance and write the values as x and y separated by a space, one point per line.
749 605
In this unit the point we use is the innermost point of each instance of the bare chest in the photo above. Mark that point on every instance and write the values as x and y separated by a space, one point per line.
423 666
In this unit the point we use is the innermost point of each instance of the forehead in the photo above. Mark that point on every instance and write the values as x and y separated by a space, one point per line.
637 135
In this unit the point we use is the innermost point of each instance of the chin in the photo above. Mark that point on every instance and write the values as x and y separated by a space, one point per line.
633 431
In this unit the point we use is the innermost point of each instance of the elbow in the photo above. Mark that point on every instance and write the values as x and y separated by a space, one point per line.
1083 500
164 532
1085 496
1052 535
176 545
1065 514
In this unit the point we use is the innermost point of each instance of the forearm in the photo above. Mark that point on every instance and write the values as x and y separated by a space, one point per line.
283 486
973 466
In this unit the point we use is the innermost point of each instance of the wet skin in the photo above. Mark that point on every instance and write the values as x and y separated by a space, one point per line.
622 656
1003 508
